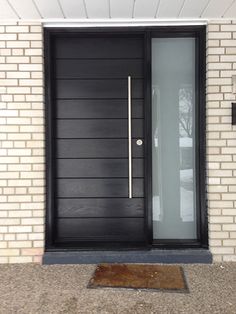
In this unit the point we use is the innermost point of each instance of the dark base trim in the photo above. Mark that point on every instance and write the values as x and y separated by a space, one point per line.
153 256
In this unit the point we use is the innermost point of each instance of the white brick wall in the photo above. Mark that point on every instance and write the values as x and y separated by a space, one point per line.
221 139
22 163
22 205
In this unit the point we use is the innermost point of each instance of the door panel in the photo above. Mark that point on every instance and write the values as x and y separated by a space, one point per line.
97 68
98 88
97 108
100 207
116 47
91 141
97 148
102 128
98 187
103 229
100 168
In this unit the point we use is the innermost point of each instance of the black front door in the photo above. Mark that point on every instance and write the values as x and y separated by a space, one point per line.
91 204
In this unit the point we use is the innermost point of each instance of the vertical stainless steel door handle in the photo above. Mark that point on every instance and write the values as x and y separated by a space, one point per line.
130 135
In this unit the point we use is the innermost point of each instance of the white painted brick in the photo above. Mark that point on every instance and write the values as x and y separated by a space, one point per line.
29 36
230 51
20 244
219 35
20 229
222 250
18 59
36 29
20 259
7 37
17 44
33 52
17 29
228 43
17 52
18 74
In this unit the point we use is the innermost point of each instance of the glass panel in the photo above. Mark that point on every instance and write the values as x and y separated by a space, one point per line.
173 138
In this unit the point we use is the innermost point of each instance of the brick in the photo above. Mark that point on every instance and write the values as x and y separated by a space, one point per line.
8 67
229 258
19 152
19 198
230 51
33 251
18 74
216 51
18 44
228 28
20 259
219 35
36 29
30 67
20 244
20 229
222 250
229 227
31 82
17 29
9 252
18 59
29 36
18 52
230 58
18 90
7 37
33 52
22 236
32 221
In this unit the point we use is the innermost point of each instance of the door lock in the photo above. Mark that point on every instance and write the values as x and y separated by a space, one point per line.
139 142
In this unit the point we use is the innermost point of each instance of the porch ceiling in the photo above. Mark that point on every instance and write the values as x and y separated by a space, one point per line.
113 10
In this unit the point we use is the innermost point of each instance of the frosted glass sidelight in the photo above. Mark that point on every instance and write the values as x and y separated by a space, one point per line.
173 138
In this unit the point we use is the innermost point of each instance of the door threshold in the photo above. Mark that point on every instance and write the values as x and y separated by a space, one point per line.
187 256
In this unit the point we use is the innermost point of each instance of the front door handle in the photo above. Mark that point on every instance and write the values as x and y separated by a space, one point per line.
130 135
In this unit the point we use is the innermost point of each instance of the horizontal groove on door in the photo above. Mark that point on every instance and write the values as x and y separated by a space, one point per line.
98 108
100 207
108 228
98 47
98 128
97 168
94 98
97 148
98 69
98 88
98 187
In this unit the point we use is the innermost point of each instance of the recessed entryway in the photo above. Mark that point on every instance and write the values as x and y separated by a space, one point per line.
124 150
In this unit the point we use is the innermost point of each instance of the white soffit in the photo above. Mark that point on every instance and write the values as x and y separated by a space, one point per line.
231 12
111 10
193 8
73 9
145 9
169 8
6 11
216 8
122 8
25 9
49 8
97 8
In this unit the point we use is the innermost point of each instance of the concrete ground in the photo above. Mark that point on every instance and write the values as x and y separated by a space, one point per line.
35 289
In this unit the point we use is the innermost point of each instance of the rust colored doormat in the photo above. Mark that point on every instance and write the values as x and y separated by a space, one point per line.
137 276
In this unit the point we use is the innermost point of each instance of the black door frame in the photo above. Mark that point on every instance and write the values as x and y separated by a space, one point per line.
199 32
